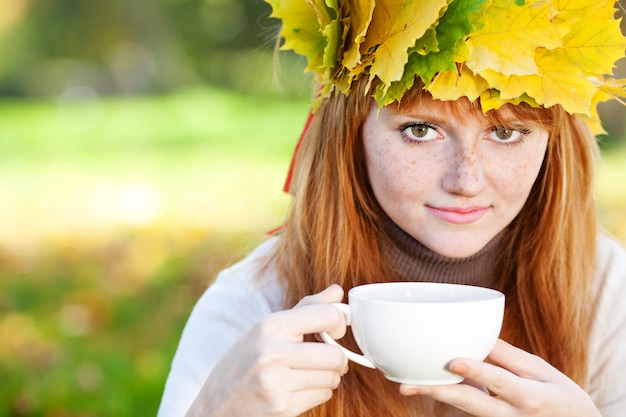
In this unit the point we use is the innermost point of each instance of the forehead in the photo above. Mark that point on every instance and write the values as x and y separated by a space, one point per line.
464 109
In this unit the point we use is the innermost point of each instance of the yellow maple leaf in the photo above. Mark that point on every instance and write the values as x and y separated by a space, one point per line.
575 9
491 99
608 89
595 45
393 30
559 81
360 12
507 41
321 11
611 88
301 30
450 85
508 86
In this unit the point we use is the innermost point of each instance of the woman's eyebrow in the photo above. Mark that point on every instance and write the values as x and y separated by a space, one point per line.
419 114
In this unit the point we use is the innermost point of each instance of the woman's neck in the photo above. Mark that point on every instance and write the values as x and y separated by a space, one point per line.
409 260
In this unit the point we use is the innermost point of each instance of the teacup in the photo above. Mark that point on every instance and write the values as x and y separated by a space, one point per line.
412 330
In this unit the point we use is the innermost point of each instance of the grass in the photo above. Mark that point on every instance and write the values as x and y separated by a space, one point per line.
116 214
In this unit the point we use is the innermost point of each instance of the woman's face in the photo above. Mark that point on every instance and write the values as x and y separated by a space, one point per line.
451 182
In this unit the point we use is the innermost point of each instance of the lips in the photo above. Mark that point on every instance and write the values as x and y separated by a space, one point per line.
458 215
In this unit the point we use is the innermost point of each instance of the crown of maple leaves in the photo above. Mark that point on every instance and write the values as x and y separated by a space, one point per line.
542 52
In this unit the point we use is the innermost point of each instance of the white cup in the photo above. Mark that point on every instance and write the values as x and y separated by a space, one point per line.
412 330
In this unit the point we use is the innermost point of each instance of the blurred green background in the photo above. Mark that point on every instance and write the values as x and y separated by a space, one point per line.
143 147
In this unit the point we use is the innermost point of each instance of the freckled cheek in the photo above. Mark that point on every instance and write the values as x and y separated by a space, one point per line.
397 177
517 181
383 176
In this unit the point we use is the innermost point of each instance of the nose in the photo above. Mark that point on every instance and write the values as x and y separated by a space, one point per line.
464 172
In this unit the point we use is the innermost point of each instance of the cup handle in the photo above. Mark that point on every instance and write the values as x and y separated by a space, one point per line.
354 357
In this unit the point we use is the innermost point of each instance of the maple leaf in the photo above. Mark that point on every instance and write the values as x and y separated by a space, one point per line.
491 99
333 33
387 94
327 12
435 51
507 41
591 9
426 44
360 12
393 30
595 45
611 88
558 81
608 89
301 30
452 27
324 10
541 52
463 83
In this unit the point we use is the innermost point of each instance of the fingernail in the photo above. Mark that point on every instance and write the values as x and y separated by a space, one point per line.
458 368
411 391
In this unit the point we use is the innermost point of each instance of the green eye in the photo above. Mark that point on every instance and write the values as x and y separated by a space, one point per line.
420 130
503 133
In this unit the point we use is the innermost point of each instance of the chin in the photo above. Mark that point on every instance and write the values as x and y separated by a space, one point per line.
458 253
458 249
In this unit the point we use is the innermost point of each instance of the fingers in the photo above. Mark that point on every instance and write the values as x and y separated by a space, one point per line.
287 392
306 400
471 396
332 294
465 397
521 363
332 321
282 334
515 378
512 373
270 370
295 323
500 381
301 380
311 356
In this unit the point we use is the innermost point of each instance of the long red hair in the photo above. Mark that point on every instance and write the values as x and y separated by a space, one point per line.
546 263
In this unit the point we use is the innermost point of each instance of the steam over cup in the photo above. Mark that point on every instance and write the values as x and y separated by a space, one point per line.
412 330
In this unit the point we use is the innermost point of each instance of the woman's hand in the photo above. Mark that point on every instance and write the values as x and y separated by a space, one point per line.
521 384
271 371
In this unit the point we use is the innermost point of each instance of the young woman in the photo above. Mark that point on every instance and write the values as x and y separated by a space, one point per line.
421 189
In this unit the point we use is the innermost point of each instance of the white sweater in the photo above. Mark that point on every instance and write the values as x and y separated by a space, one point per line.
239 298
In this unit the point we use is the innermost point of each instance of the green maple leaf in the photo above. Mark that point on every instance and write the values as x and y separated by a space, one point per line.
453 26
434 52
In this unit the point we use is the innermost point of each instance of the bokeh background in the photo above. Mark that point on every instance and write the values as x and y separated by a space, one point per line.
143 147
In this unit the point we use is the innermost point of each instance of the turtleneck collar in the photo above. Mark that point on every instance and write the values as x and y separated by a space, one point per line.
411 261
